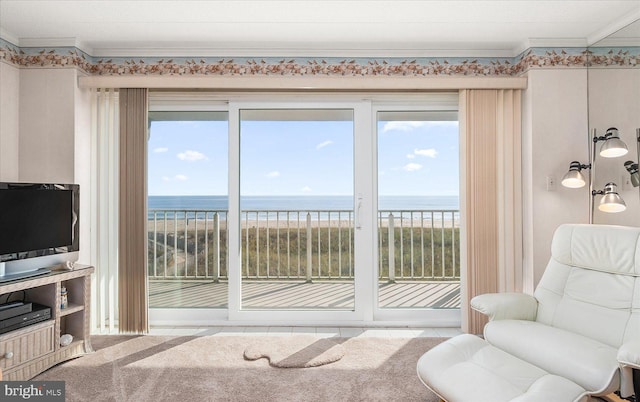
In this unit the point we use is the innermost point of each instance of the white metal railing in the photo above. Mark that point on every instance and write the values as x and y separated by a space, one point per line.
308 244
419 244
302 244
187 244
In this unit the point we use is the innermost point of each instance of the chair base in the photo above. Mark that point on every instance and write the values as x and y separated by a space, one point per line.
467 368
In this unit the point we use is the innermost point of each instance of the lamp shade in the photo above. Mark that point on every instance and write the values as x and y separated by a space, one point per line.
574 177
613 146
611 201
632 168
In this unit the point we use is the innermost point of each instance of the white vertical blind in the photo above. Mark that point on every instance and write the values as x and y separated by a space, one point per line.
104 209
491 249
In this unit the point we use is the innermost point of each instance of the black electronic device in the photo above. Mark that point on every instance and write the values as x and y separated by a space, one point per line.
13 309
40 227
37 314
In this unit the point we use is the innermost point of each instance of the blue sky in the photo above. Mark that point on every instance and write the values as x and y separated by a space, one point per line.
296 158
188 158
418 158
301 158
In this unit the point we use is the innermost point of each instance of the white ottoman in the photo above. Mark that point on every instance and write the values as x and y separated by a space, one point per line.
467 368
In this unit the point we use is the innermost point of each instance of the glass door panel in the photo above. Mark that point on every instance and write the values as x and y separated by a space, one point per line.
187 209
297 209
418 210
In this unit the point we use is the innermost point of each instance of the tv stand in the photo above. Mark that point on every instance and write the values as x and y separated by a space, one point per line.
28 351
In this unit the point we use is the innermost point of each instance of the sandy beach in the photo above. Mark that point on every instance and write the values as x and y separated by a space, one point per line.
171 225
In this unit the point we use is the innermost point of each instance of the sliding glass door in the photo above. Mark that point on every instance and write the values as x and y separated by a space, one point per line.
187 209
418 210
306 213
297 209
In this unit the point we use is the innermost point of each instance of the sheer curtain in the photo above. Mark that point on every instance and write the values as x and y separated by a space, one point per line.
118 210
490 121
104 209
132 249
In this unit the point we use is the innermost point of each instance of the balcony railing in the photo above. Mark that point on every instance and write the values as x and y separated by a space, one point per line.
421 245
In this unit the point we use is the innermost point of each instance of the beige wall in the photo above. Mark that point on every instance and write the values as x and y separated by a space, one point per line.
55 136
556 120
554 134
47 118
54 143
614 101
82 166
9 117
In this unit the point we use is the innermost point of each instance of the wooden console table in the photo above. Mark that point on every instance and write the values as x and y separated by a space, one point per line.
28 351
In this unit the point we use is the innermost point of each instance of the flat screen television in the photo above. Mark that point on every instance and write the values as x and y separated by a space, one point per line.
39 227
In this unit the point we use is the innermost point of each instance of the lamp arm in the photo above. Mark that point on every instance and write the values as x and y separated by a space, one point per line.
592 172
638 150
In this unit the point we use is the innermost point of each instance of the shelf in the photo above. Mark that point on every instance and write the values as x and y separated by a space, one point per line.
37 346
72 308
74 344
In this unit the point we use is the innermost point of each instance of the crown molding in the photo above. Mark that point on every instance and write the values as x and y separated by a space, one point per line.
550 43
618 42
7 36
274 49
612 28
55 42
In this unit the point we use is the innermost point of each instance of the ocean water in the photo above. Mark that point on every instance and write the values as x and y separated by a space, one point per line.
301 203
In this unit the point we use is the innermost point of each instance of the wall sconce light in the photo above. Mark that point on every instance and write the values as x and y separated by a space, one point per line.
613 146
611 200
632 168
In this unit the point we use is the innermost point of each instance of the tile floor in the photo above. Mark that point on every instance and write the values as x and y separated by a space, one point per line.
323 332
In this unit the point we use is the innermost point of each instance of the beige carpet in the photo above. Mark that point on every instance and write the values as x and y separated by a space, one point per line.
212 368
295 351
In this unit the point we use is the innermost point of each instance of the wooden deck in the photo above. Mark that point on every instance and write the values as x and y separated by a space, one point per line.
301 295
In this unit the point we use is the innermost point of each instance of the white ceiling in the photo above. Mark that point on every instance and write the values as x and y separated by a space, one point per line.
311 27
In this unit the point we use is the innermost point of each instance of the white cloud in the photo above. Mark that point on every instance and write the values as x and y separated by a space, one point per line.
191 156
306 189
324 144
410 156
402 125
160 149
273 174
412 125
181 177
412 167
166 178
430 152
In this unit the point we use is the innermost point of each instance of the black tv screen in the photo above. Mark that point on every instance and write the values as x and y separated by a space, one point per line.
37 219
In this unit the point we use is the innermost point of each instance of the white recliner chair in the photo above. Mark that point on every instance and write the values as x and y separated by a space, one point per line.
578 336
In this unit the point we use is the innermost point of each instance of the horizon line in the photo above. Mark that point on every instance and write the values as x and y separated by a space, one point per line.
301 195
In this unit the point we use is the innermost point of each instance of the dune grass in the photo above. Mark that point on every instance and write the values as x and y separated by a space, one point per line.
419 253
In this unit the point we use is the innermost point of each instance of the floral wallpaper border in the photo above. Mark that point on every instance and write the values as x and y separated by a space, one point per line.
628 57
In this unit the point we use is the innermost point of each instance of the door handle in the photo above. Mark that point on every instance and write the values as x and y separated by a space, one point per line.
358 205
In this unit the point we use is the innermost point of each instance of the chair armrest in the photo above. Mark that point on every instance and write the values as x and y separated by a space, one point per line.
629 359
506 306
629 354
